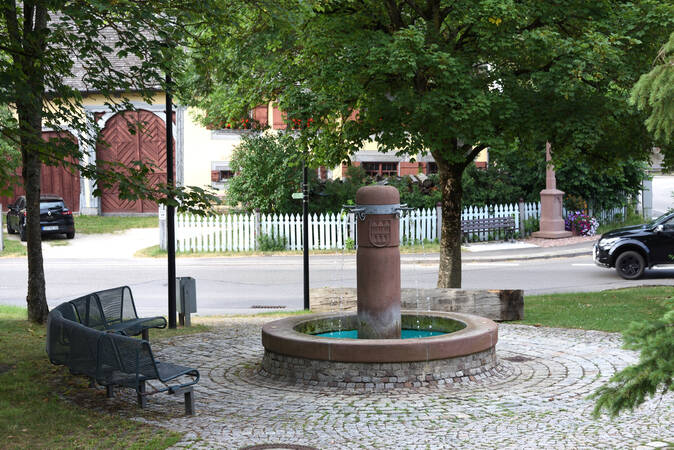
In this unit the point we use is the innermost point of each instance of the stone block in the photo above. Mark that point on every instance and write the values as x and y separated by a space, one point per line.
499 305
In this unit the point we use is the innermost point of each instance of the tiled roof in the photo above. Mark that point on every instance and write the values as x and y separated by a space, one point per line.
108 36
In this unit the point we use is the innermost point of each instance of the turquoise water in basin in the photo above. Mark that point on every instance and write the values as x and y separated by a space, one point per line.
405 334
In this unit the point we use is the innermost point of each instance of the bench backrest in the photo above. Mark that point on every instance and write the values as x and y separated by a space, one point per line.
110 358
117 304
124 360
102 309
487 223
72 344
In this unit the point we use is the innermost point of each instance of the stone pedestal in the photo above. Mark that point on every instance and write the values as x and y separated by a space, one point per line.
551 222
378 263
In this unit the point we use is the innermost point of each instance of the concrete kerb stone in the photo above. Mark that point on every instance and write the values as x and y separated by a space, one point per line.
537 399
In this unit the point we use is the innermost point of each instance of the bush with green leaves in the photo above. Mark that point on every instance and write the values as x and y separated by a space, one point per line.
515 173
268 170
271 243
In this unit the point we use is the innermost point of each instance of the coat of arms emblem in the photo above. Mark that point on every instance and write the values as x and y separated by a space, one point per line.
380 232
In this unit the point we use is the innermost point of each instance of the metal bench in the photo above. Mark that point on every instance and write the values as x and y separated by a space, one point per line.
111 310
488 224
112 359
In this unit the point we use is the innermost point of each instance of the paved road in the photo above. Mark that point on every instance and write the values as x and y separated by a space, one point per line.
227 285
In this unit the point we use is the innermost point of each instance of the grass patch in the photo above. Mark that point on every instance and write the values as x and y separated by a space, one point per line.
112 224
56 243
610 310
12 248
156 252
33 416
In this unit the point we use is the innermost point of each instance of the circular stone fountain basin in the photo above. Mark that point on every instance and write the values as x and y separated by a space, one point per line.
294 352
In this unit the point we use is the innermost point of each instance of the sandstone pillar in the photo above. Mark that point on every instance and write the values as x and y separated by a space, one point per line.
551 222
378 262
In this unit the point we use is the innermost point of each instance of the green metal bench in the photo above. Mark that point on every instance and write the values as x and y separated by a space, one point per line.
111 310
486 225
112 359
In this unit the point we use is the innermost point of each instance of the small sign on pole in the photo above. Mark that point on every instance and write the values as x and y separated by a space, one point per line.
297 195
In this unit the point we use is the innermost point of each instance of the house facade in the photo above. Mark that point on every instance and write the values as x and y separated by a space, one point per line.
202 155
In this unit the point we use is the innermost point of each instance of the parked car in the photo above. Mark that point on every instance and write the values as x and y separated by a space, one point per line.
633 249
55 217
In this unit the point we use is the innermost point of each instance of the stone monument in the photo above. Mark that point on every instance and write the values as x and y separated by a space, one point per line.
552 222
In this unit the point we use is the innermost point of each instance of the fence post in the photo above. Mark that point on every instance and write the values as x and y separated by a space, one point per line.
258 229
438 213
647 199
162 228
520 205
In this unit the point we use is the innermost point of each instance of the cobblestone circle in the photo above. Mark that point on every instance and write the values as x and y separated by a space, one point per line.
536 399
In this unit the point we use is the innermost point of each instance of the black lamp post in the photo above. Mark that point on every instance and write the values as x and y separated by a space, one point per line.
170 209
305 231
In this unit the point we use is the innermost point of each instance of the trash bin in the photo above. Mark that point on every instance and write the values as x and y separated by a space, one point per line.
186 299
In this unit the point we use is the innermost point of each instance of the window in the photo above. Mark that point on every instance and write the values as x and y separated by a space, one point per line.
385 169
431 167
225 175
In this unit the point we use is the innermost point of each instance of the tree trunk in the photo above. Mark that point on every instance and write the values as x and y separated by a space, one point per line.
29 109
449 274
36 298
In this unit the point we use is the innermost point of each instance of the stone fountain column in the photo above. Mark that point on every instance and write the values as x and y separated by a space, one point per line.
378 262
552 222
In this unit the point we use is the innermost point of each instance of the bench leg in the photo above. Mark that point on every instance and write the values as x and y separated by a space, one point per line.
142 398
145 334
110 391
189 402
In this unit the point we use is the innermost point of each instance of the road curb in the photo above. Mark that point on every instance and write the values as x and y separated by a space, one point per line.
502 258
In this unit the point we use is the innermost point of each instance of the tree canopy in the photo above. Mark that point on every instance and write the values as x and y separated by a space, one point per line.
449 78
654 93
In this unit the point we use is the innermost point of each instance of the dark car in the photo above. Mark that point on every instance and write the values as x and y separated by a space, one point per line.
633 249
55 217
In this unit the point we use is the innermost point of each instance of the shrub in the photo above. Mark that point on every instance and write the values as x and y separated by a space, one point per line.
271 243
582 223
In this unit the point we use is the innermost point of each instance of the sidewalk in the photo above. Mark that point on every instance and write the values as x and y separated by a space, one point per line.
531 248
125 244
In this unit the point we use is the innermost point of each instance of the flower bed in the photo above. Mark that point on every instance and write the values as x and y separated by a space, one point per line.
581 224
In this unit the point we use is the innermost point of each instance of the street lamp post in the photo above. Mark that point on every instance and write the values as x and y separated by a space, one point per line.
170 209
305 231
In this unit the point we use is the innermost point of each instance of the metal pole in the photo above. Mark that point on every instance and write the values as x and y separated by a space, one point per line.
170 210
305 230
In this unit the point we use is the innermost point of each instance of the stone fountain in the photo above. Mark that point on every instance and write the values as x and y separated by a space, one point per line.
371 349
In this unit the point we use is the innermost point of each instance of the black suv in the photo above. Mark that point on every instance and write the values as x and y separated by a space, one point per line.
55 217
632 249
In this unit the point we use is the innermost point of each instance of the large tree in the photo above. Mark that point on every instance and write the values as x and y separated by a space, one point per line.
448 77
111 47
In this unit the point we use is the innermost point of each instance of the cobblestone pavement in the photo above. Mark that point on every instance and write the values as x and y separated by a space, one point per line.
537 401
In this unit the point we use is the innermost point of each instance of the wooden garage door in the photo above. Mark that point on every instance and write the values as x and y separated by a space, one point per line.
53 180
147 144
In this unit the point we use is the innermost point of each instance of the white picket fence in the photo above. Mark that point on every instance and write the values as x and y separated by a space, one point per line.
240 232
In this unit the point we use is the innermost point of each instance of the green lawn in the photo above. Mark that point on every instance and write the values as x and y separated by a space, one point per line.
607 311
111 224
13 248
40 403
156 252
